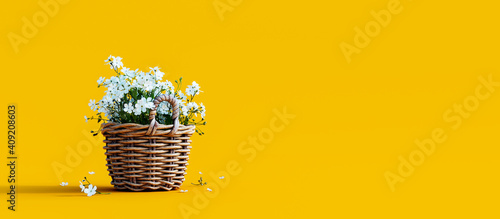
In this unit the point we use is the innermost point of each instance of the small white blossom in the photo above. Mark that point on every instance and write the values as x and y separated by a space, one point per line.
192 105
114 62
209 189
82 186
101 80
149 103
184 111
202 110
64 184
129 73
128 108
184 190
92 105
92 173
109 58
183 97
200 173
91 190
158 73
193 89
142 105
86 119
221 177
137 111
117 62
164 108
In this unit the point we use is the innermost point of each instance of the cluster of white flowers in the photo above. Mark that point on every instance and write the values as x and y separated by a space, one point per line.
130 94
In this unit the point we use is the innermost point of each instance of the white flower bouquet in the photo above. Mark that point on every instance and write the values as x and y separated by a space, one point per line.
147 125
130 94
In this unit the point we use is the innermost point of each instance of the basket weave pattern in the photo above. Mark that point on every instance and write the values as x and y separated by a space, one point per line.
148 157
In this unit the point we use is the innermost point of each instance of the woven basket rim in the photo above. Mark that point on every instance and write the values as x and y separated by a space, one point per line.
162 129
106 124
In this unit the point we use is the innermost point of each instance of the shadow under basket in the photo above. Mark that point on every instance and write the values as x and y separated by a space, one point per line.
148 157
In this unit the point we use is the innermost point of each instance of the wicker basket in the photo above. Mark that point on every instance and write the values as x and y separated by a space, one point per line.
148 157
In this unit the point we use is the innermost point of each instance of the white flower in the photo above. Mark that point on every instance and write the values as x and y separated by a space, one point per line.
128 108
203 110
137 111
149 103
221 177
143 104
127 72
109 58
183 97
192 105
184 190
82 186
209 189
117 62
184 110
195 85
114 62
101 80
64 184
91 190
164 108
149 85
193 89
91 172
158 73
86 119
200 173
92 105
109 61
168 86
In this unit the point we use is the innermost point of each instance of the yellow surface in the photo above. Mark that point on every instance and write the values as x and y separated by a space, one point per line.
353 120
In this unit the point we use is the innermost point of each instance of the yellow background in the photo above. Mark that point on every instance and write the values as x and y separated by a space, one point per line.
352 120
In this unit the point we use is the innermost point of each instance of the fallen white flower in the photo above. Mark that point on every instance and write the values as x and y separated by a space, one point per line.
91 190
82 186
